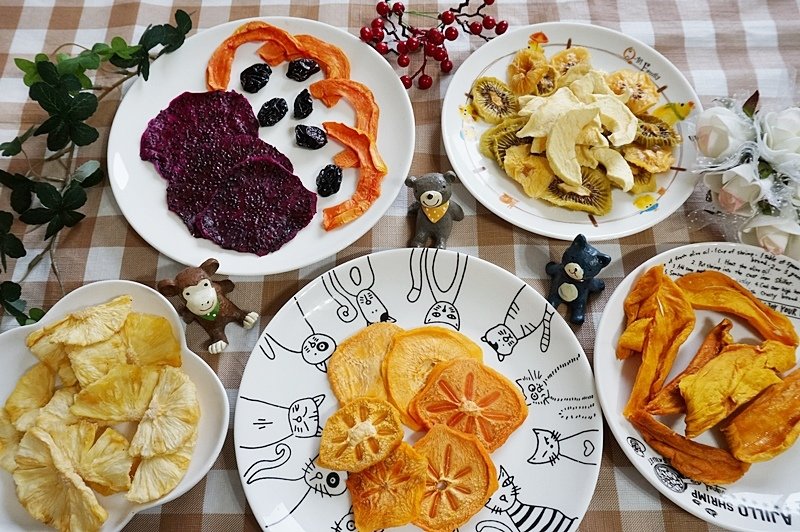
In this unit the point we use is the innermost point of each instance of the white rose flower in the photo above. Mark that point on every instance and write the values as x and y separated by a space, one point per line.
737 190
779 139
777 234
720 132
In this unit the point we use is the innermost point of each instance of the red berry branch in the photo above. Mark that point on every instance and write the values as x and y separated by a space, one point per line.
390 33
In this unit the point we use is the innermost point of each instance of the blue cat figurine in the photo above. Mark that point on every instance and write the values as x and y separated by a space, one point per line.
574 278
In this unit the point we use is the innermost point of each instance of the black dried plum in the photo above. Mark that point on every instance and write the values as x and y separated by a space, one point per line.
302 69
255 77
310 137
303 105
272 112
329 180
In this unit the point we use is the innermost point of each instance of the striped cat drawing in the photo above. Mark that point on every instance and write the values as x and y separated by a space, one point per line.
525 517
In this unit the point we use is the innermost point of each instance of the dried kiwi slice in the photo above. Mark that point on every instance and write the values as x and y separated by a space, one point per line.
652 131
643 181
497 139
592 196
493 100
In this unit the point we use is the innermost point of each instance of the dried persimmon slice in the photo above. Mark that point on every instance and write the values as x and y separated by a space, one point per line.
471 398
389 493
461 478
360 434
412 357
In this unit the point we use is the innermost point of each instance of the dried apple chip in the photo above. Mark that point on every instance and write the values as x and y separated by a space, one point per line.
360 434
122 395
471 398
389 493
33 390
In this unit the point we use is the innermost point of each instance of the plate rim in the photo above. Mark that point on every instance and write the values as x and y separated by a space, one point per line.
568 232
616 427
226 268
509 276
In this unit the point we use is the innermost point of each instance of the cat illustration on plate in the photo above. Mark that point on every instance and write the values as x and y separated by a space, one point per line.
319 480
443 283
537 391
354 295
276 423
549 447
315 349
518 324
524 517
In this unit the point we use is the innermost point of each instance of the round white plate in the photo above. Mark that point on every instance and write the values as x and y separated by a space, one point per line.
141 192
284 398
213 425
767 497
610 51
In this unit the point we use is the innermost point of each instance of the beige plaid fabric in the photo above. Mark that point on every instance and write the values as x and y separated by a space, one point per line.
722 47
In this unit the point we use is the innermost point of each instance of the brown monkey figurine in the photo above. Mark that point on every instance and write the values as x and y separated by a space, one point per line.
205 302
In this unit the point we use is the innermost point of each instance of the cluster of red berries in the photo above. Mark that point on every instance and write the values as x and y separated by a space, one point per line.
388 35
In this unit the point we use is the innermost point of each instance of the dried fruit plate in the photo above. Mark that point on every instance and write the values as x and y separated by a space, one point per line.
767 497
548 466
141 192
213 425
486 180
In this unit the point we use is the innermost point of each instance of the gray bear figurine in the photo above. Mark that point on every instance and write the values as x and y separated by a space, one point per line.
436 212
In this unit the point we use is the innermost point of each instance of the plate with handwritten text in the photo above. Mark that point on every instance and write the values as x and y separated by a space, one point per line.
546 470
609 51
767 497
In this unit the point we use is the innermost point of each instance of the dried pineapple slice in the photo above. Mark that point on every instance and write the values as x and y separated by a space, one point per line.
656 159
9 442
643 92
171 417
55 414
106 466
92 362
50 489
41 344
33 390
529 170
157 476
151 340
122 395
92 324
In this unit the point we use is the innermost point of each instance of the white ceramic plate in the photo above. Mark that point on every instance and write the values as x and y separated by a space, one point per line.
213 425
767 497
610 51
554 456
141 192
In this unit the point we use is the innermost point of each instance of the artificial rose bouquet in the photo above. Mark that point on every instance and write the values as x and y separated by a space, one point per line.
750 161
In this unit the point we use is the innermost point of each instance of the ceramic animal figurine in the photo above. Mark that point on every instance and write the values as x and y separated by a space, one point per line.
205 302
435 211
574 278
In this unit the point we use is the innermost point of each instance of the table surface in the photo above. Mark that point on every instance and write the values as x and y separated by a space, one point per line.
722 47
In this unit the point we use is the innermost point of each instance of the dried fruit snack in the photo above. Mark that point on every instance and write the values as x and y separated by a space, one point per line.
472 398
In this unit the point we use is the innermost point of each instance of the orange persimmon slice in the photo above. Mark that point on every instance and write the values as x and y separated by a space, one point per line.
389 493
330 91
218 72
371 172
359 435
472 398
461 478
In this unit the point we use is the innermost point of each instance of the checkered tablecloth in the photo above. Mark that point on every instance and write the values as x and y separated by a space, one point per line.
722 47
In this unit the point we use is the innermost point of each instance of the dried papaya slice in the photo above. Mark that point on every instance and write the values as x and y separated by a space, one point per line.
412 357
713 290
218 72
372 170
389 493
359 435
332 59
330 91
347 158
472 398
461 478
354 369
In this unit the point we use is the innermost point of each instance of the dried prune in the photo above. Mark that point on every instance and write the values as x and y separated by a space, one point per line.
310 137
255 77
302 69
329 180
272 112
303 105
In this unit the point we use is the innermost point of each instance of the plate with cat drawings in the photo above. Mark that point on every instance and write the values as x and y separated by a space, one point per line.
547 469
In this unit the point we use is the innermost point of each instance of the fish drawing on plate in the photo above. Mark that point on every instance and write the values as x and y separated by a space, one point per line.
518 324
355 295
315 349
537 390
276 423
549 447
443 283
